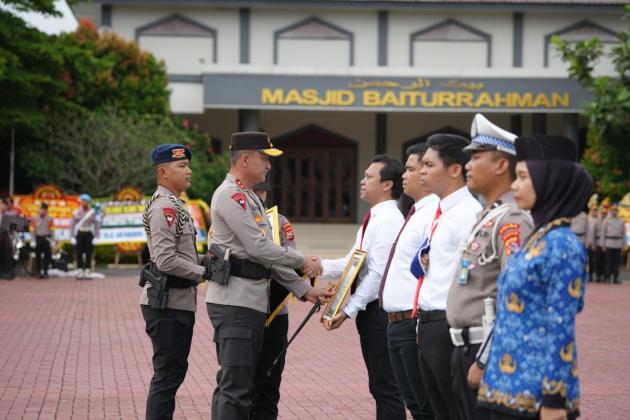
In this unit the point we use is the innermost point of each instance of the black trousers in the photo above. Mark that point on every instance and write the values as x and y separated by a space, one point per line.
435 350
372 329
591 263
7 263
267 388
600 263
84 249
403 355
171 335
238 336
42 254
461 360
613 259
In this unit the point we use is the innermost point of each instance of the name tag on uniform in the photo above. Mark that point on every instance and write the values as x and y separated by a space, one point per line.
464 267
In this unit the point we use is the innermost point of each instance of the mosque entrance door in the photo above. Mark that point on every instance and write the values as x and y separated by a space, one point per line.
315 179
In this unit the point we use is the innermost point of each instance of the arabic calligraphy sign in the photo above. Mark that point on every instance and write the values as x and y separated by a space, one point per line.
391 94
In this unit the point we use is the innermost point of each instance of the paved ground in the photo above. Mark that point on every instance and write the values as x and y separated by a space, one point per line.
77 350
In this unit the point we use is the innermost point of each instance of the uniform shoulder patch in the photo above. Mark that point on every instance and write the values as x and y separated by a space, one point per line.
240 199
511 236
169 214
289 234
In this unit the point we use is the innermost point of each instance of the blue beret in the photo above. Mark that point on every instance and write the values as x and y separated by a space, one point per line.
169 152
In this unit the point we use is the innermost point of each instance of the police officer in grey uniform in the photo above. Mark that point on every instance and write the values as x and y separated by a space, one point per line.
593 227
579 226
42 224
500 228
171 239
614 241
238 309
267 391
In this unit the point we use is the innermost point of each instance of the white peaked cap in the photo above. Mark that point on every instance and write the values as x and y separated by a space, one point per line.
485 135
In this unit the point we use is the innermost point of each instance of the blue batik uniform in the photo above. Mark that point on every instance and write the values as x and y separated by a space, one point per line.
533 358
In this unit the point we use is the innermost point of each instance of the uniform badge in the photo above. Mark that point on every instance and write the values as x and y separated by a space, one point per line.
240 199
240 184
462 276
289 235
475 246
258 218
179 153
170 215
489 223
511 236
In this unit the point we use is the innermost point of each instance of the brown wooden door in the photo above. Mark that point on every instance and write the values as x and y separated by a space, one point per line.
315 179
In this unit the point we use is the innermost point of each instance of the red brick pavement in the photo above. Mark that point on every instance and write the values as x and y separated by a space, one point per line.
77 350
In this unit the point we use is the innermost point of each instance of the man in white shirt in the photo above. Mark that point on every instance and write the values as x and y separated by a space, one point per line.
398 287
381 187
443 174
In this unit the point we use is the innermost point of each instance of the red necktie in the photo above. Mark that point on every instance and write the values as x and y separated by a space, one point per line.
366 220
438 213
412 210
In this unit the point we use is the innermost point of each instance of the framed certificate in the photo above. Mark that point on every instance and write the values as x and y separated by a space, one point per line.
344 284
279 296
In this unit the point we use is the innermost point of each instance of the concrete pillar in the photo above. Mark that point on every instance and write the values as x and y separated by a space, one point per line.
381 133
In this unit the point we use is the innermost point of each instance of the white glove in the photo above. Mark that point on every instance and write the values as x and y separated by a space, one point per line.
73 241
93 241
33 244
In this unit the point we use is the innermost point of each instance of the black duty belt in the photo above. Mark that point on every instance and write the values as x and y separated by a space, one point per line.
174 282
248 269
614 237
430 316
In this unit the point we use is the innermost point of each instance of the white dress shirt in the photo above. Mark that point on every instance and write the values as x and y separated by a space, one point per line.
383 226
400 284
459 215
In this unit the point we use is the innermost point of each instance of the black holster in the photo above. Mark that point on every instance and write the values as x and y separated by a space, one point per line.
156 292
219 267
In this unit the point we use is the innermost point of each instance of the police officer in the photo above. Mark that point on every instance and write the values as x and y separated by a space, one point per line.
498 233
614 241
593 227
579 226
42 225
171 239
600 250
84 229
238 309
267 391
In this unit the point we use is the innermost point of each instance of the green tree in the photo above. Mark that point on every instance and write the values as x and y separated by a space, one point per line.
46 7
30 76
607 156
100 151
102 70
208 167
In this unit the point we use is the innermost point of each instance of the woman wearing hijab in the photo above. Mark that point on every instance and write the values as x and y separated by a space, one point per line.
532 369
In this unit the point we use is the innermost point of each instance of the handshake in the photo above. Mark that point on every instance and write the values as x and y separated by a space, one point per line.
312 266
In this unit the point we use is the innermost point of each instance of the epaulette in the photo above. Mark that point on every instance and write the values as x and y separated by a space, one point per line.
182 214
